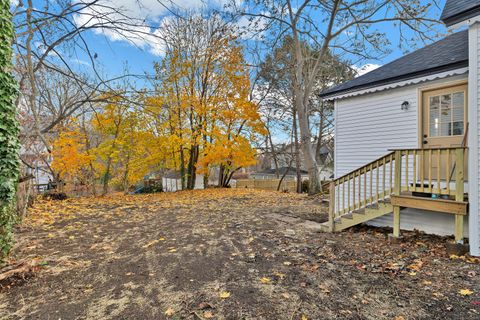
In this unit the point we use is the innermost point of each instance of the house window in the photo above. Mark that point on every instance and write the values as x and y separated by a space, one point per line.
447 114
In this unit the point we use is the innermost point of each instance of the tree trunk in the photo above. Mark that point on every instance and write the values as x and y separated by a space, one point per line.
298 161
309 156
205 178
192 167
284 174
106 177
220 175
274 154
301 91
125 177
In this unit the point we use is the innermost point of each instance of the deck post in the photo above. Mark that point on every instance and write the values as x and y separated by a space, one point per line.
396 191
396 222
398 173
331 207
459 190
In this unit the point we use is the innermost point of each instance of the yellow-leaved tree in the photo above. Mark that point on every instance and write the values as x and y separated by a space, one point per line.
203 99
127 143
71 158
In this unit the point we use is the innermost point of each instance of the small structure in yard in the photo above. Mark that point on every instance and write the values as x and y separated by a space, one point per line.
172 181
407 138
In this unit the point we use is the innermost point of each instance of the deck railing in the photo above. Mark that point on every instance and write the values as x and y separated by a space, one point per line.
438 171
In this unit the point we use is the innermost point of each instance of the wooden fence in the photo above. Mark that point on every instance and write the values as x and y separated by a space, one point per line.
270 184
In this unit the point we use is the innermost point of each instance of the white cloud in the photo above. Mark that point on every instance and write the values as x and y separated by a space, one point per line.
81 62
149 16
365 68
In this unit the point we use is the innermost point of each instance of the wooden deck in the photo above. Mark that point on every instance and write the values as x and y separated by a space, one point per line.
427 179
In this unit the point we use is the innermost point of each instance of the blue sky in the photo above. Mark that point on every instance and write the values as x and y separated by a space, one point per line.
114 54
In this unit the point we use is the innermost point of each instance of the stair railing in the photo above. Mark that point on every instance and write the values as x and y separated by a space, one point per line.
361 188
438 171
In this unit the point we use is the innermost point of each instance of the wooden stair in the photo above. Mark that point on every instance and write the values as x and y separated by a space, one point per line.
358 216
400 179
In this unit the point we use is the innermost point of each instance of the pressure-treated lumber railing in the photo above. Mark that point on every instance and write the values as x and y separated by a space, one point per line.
437 171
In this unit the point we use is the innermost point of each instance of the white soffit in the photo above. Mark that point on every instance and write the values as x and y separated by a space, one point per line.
399 84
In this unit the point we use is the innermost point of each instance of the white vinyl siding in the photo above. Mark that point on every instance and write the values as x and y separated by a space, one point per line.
367 126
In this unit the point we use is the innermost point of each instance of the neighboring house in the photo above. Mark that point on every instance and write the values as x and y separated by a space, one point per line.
36 165
423 109
284 154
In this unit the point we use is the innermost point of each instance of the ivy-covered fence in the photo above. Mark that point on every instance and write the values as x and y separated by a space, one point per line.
9 130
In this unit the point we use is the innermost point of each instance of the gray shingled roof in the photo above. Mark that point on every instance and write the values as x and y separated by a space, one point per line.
447 54
456 11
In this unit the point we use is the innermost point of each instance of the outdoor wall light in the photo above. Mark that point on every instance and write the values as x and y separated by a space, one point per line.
405 105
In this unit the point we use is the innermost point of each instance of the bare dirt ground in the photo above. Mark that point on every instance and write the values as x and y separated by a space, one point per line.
227 254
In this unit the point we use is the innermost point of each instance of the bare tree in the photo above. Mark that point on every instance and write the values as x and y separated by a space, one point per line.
49 37
276 72
334 26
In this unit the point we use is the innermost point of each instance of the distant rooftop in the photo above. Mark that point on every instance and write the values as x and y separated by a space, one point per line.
281 171
456 11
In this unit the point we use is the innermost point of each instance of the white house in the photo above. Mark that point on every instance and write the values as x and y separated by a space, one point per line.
407 138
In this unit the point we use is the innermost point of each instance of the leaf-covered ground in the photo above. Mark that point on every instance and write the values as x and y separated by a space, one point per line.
227 254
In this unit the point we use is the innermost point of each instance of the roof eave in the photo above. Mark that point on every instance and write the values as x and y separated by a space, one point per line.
458 18
449 67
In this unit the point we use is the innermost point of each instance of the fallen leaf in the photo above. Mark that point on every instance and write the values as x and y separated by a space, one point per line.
280 275
204 305
324 288
465 292
473 260
208 314
172 250
265 280
169 312
304 317
151 243
224 294
455 257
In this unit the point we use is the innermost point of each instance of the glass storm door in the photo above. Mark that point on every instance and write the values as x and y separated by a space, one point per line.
444 121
